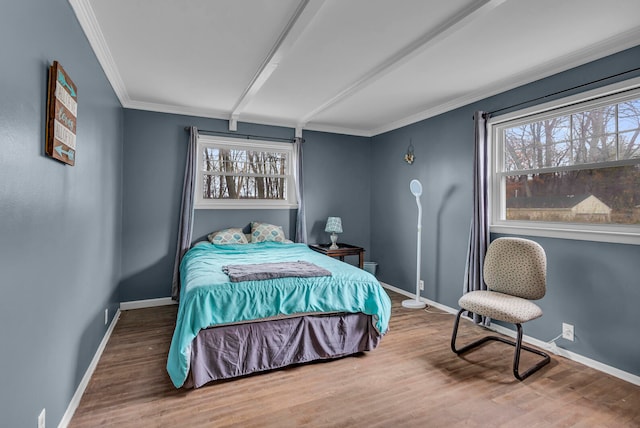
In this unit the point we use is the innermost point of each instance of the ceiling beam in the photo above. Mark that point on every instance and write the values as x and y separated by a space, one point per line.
428 39
303 15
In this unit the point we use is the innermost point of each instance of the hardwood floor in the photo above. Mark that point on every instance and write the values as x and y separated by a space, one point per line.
411 379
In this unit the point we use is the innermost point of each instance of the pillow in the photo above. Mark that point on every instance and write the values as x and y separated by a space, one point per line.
232 235
261 232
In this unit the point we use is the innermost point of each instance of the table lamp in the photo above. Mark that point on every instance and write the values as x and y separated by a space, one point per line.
334 225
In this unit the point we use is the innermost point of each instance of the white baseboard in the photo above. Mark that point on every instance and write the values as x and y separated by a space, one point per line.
149 303
77 396
427 301
551 347
554 348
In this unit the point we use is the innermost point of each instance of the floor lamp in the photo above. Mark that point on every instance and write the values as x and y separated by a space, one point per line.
416 190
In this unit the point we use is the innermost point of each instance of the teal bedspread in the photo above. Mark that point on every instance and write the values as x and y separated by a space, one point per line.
209 298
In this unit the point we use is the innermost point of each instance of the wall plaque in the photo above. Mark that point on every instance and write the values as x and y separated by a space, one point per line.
62 110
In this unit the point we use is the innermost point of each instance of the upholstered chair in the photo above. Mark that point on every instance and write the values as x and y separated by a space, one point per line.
515 271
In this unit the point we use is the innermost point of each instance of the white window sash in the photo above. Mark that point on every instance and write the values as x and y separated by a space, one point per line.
226 143
612 94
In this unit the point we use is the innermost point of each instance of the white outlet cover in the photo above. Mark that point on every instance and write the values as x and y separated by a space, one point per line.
567 331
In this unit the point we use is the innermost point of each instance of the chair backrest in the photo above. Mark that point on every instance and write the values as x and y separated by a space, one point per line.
516 266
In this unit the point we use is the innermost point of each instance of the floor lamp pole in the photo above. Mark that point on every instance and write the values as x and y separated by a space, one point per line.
416 190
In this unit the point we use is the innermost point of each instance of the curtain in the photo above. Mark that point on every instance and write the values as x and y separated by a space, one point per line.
479 233
301 221
185 228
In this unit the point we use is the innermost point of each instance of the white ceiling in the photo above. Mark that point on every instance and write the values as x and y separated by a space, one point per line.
358 67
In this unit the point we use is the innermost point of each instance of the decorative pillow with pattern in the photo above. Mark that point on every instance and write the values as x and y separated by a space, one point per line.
262 232
233 235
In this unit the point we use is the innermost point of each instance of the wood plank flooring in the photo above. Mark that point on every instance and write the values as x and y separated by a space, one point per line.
411 379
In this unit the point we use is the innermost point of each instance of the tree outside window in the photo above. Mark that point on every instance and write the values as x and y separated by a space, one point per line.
237 173
572 166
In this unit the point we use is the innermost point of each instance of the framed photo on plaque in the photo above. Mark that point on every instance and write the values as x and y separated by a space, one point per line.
62 111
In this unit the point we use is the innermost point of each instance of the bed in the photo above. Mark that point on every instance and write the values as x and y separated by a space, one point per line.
226 329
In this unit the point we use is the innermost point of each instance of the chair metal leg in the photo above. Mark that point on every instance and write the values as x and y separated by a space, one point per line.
517 344
516 360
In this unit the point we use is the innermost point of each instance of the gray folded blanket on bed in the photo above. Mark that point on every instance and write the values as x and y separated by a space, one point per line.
260 271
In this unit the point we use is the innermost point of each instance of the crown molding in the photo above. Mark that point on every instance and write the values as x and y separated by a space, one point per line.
179 110
266 121
89 23
596 51
338 130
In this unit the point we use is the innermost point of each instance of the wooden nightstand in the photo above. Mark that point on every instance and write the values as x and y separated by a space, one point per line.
342 251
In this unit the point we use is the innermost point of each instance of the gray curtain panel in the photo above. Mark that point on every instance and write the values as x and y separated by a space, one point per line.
479 234
301 221
185 228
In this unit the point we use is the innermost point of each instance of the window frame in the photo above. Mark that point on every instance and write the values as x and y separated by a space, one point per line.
201 203
615 233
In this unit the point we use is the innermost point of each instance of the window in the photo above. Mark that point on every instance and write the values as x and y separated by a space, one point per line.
570 168
237 174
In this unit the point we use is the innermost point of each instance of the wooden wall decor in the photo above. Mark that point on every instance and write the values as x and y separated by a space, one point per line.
62 111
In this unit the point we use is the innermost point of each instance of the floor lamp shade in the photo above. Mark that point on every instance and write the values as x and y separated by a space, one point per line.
416 190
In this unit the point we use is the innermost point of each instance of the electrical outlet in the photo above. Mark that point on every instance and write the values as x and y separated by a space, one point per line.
421 285
41 419
567 331
106 316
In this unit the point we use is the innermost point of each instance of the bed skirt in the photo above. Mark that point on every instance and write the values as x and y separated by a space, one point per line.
241 349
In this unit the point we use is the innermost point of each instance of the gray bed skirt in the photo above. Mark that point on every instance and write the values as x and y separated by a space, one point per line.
237 350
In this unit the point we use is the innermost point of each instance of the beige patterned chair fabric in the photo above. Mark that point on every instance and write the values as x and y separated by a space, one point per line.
515 273
516 266
500 306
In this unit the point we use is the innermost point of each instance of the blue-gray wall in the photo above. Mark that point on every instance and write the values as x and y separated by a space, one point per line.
594 286
336 181
76 240
60 226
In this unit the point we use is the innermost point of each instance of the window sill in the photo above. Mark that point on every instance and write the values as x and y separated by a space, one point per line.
244 205
614 234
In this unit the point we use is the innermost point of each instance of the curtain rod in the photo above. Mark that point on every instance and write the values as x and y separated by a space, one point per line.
247 136
563 91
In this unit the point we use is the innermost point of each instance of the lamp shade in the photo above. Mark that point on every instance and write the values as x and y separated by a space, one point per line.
334 225
416 188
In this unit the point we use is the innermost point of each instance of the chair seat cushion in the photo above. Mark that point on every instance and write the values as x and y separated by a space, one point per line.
500 306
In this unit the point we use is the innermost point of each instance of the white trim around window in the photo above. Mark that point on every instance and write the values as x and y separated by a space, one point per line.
248 198
497 171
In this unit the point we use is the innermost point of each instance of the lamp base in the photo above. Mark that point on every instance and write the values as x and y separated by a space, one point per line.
413 304
334 239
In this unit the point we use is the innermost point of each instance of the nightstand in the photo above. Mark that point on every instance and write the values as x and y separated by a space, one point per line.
342 251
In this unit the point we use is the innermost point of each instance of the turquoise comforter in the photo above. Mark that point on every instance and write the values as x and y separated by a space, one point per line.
208 298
